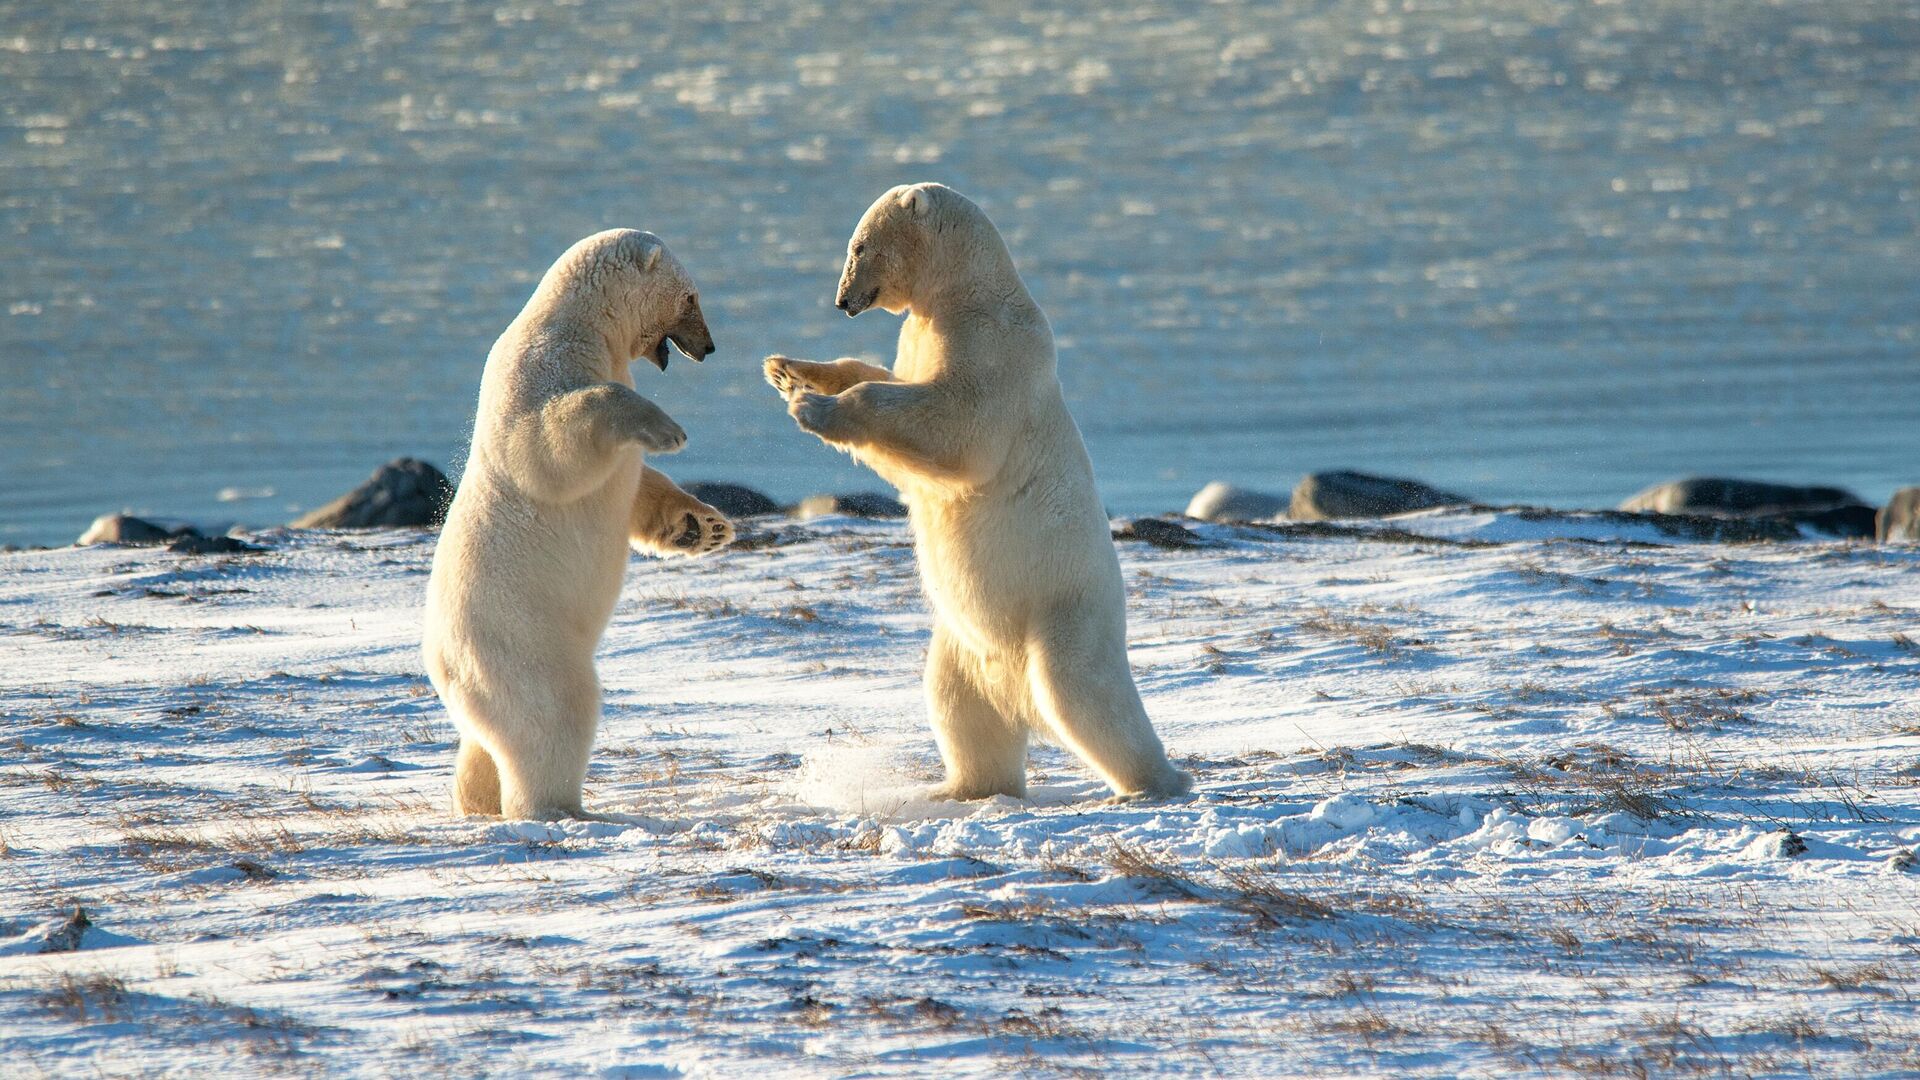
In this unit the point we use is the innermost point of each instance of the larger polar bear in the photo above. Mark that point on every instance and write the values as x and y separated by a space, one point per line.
1015 553
530 561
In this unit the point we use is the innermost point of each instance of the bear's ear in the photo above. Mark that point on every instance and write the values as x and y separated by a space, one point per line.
651 259
915 199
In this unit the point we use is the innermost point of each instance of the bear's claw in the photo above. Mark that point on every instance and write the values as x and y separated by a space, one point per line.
663 436
780 376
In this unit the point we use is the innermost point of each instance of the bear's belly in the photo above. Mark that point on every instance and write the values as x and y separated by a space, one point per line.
507 566
992 569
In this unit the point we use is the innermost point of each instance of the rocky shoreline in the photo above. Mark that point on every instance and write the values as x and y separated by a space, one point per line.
411 493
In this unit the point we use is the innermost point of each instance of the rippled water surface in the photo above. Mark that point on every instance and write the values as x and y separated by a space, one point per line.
1544 251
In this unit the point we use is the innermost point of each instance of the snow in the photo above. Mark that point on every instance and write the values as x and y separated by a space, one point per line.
1467 805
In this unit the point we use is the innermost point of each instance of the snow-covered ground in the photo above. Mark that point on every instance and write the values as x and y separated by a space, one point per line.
1462 808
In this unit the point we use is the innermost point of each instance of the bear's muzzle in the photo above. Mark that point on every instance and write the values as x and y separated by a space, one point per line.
690 335
847 303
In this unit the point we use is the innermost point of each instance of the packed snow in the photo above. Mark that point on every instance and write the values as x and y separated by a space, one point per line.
1463 806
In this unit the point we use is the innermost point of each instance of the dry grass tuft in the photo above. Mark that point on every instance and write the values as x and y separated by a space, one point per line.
1374 637
1049 1022
1605 779
1135 862
936 1012
1021 912
1865 977
255 871
1369 1023
1690 710
811 1011
1256 892
82 998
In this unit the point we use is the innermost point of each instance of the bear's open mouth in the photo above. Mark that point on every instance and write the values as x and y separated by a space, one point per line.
686 350
659 354
855 307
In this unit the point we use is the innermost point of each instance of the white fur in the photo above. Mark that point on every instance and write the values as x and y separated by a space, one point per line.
1014 547
529 564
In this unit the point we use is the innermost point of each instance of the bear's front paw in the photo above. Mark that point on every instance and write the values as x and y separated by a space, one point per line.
782 376
696 532
661 435
817 414
703 532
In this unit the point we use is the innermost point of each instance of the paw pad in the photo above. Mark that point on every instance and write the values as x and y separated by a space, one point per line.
690 535
702 532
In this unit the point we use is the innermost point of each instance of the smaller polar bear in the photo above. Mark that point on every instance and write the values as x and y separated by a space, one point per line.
1015 551
535 545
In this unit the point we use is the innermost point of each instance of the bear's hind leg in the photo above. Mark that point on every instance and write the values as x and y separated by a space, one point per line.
1084 693
476 782
542 744
985 752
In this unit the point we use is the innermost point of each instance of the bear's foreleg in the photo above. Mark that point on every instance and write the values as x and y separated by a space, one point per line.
668 521
1084 693
925 429
985 752
791 377
572 444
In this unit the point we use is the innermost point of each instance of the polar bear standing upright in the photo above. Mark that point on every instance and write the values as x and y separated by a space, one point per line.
1029 615
530 561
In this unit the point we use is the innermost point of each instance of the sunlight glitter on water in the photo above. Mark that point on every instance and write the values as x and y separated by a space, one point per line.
1540 251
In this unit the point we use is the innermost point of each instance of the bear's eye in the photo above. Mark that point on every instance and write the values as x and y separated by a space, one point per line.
858 248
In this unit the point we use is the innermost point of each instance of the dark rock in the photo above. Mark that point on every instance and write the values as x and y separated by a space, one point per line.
1705 528
734 500
211 545
1220 501
1900 518
1344 494
1831 510
1720 495
405 492
1159 532
127 529
1846 520
864 504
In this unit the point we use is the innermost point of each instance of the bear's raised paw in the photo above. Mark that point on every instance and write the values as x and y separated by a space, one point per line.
696 533
661 435
783 376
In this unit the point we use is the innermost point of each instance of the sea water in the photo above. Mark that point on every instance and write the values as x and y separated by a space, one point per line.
1540 251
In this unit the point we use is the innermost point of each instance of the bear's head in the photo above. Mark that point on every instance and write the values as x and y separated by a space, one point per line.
914 241
633 287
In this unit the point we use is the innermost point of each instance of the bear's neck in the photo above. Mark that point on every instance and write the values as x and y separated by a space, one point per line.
587 336
986 281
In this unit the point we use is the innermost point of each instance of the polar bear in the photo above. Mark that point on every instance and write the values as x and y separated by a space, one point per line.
1015 552
535 545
